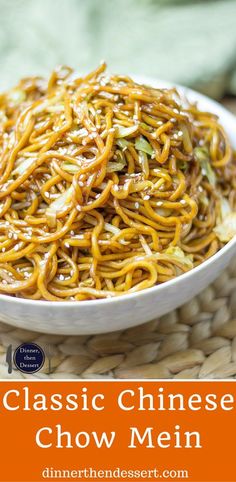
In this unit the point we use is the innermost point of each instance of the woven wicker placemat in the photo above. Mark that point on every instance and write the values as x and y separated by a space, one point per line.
196 341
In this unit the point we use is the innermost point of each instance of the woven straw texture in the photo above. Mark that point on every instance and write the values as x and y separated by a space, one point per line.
196 341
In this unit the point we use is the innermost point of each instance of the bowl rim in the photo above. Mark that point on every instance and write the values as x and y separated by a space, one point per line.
197 96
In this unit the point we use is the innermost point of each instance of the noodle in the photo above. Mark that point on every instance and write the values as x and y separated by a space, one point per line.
107 187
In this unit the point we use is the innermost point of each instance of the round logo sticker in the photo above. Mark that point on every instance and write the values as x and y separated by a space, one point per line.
29 358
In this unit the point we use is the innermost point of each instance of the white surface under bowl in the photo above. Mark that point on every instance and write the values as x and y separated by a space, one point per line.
100 316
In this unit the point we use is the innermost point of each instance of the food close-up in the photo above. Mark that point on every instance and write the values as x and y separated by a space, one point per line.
108 186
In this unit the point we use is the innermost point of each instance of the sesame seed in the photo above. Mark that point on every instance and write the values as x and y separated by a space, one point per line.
180 133
78 207
61 277
67 245
146 197
82 132
4 282
99 111
136 205
173 120
72 233
183 201
160 203
115 187
10 235
46 194
15 236
16 247
176 111
112 129
3 250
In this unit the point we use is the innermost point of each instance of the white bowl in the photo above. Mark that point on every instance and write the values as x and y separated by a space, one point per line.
101 316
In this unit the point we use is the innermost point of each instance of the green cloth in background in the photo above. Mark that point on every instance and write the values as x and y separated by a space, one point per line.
189 42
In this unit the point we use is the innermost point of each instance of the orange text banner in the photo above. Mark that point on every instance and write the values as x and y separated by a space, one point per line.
117 430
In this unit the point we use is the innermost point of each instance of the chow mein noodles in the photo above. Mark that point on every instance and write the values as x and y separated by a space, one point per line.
107 187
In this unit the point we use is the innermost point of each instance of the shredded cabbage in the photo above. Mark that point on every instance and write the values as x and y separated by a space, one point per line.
141 144
143 161
23 165
176 253
226 230
63 201
118 165
71 168
202 155
115 166
122 143
125 131
225 207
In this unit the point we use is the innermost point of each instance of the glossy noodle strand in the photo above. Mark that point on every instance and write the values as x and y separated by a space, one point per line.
107 187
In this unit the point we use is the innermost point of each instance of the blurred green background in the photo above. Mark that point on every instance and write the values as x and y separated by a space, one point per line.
190 42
